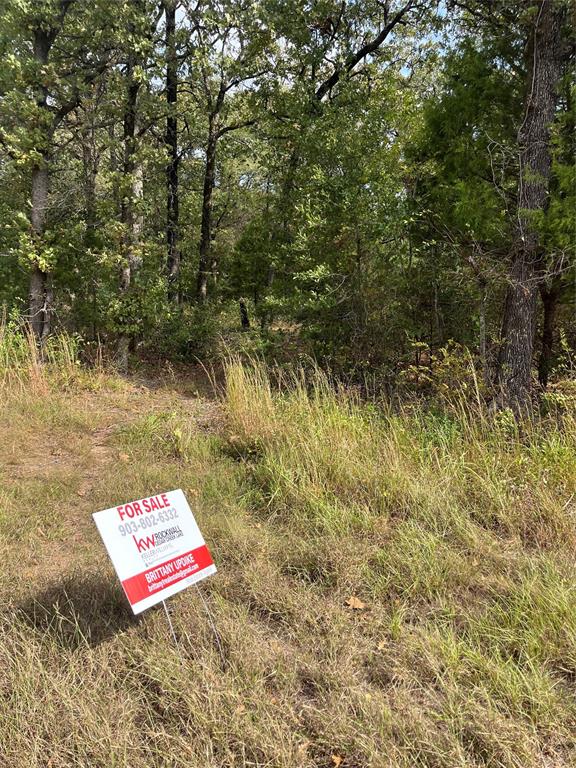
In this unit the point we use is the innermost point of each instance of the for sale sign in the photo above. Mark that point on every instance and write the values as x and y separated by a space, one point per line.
155 546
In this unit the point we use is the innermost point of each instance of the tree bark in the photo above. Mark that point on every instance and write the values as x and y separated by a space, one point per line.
544 68
205 264
244 317
41 296
482 337
130 216
40 283
89 175
173 201
550 298
40 293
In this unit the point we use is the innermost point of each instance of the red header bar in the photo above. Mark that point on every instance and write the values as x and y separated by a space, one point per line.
166 574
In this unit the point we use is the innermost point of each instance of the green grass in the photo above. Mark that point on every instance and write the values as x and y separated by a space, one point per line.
453 532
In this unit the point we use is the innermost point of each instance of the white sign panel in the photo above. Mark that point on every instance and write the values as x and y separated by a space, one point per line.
155 546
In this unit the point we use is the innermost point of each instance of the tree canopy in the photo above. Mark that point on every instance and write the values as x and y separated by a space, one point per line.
373 180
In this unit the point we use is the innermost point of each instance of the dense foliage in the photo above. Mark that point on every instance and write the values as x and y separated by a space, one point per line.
370 179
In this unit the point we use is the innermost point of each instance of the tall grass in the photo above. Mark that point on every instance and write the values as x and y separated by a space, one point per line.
395 587
341 464
464 523
24 363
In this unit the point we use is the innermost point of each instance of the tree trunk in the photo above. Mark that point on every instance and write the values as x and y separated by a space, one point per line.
550 304
437 317
544 68
90 172
131 217
40 293
40 282
205 264
244 317
134 224
173 202
482 336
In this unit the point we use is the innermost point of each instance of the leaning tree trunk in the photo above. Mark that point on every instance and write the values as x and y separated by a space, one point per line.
173 202
205 264
544 68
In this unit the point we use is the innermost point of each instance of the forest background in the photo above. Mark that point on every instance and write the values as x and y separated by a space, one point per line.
388 187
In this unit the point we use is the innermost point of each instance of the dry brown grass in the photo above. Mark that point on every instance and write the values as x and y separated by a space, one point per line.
455 536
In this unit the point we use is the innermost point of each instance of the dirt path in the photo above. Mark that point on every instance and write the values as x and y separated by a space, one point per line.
56 461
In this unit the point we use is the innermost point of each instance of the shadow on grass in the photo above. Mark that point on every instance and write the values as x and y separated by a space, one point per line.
78 610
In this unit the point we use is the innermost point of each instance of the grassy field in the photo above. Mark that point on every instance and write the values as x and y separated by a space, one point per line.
395 588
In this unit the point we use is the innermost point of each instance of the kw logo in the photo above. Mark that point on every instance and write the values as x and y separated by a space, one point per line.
145 543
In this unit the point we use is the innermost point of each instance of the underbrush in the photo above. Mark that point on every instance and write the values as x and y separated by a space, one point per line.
33 368
23 363
394 590
328 460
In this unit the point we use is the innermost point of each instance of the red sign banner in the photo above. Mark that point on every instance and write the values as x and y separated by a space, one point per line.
148 582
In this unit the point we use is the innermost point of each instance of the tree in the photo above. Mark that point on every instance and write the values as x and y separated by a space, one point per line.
231 51
376 176
490 136
546 56
559 228
173 199
140 28
463 175
56 61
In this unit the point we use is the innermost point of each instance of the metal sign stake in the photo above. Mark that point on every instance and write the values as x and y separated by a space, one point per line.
213 626
172 632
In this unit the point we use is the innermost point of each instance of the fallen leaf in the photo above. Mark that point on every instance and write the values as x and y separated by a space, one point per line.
337 760
123 457
356 604
382 645
81 493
